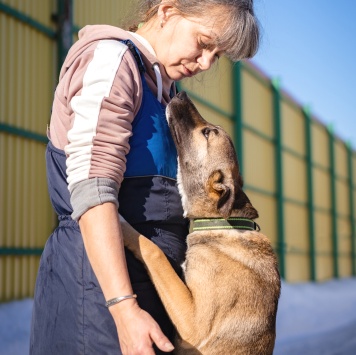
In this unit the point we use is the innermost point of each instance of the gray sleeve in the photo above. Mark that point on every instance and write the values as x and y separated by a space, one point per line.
93 192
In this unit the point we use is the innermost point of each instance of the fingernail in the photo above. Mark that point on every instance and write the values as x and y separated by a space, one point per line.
169 346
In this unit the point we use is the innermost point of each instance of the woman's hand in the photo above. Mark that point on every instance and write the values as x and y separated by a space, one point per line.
138 330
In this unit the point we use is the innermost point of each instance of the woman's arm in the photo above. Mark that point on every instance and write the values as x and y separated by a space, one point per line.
103 242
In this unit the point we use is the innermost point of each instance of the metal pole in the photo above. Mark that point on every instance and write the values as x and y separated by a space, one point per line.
238 113
64 19
279 176
333 203
352 208
310 191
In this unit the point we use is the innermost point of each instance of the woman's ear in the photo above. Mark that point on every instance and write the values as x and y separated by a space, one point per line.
165 11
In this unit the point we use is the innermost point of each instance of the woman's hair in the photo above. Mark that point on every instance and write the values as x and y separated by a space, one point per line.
241 33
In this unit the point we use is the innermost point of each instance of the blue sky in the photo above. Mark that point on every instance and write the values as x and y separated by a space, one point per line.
311 46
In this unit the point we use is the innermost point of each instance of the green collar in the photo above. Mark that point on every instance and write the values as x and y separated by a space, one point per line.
221 223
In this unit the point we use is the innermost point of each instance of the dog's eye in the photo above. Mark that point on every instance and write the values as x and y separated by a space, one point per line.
206 132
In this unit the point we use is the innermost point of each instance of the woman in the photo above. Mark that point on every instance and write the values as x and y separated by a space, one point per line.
110 148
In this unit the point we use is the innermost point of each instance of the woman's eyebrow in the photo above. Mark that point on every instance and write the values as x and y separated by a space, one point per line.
211 36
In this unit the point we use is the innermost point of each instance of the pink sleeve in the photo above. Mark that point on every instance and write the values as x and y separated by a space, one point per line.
99 95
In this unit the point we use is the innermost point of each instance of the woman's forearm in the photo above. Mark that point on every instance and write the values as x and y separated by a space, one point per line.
102 237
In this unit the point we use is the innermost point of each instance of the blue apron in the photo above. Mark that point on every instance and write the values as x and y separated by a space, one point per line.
69 315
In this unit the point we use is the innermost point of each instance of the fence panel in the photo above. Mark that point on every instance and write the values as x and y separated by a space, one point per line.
259 148
297 229
27 84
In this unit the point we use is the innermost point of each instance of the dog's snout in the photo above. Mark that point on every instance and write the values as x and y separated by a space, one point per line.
182 95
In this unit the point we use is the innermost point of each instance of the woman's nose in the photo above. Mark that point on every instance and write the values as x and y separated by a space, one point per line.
206 59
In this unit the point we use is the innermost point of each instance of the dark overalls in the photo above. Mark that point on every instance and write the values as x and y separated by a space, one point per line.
69 315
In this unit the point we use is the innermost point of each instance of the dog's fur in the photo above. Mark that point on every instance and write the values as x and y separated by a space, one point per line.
227 303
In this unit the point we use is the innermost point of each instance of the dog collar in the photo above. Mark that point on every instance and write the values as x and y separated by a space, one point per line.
221 223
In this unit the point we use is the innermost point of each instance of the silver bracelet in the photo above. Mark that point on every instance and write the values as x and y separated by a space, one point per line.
118 300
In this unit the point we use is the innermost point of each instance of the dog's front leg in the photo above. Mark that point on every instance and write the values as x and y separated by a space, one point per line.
176 297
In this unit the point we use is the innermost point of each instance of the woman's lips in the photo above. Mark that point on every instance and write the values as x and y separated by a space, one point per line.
187 72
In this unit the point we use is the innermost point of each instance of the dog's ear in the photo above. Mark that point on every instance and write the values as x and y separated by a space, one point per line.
222 192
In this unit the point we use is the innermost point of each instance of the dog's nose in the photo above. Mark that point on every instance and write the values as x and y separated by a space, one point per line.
182 95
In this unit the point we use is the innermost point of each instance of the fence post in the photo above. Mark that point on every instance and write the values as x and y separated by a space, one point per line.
352 207
333 202
238 113
310 191
64 19
281 250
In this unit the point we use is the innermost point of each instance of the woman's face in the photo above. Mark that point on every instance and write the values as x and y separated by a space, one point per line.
186 46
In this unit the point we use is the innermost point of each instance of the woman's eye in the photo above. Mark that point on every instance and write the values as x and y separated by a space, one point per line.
203 45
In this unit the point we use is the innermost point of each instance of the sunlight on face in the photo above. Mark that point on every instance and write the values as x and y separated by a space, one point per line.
188 45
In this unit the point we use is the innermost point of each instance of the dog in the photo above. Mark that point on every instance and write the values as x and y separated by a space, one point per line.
227 301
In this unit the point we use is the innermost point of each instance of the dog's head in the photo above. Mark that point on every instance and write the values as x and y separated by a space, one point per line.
208 172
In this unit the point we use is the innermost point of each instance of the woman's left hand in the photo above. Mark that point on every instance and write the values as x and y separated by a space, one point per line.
137 330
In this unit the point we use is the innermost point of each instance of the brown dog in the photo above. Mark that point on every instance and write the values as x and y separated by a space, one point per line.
228 301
